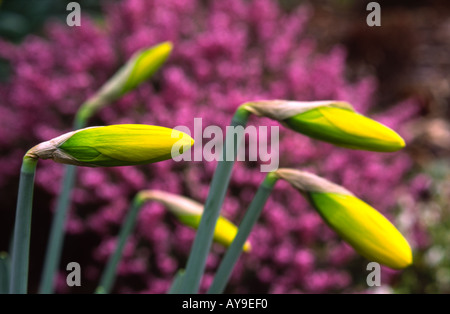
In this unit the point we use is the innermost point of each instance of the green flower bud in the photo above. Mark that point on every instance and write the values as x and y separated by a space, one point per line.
114 145
144 64
190 212
359 224
335 122
141 66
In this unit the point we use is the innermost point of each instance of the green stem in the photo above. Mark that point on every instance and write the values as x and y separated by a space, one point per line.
109 274
22 228
4 272
56 238
86 110
232 255
175 288
203 239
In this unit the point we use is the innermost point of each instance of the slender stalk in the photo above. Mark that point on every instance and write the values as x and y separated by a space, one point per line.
56 238
109 274
87 109
22 228
174 289
232 255
4 272
203 239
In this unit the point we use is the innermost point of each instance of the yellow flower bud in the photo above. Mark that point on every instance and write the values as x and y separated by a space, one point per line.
114 145
144 64
190 212
141 66
335 122
359 224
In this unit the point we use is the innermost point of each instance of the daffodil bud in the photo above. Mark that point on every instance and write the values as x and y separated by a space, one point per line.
114 145
190 212
144 64
141 66
335 122
359 224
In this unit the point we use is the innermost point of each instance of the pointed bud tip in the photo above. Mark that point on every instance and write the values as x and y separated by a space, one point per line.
397 142
162 50
404 260
247 247
167 46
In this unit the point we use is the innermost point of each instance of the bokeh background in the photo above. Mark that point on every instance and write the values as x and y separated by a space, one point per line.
226 53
